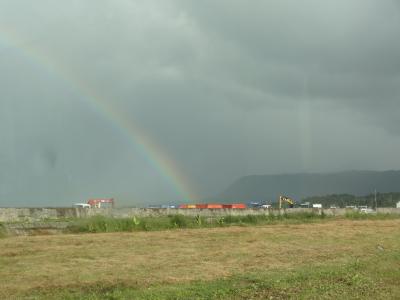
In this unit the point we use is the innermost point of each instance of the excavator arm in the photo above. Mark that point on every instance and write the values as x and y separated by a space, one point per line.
287 200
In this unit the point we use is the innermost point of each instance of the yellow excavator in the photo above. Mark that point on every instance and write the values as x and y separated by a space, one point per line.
288 200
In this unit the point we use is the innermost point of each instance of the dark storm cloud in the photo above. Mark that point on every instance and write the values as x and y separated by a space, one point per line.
227 88
287 40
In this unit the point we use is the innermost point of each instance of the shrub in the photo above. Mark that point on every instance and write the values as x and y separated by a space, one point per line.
179 221
251 219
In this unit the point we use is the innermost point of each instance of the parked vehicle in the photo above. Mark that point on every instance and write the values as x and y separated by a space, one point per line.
366 210
81 205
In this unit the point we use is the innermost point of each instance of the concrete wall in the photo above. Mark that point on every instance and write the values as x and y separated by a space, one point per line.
37 214
388 210
40 214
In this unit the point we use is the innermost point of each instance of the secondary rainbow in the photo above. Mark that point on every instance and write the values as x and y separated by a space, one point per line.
153 152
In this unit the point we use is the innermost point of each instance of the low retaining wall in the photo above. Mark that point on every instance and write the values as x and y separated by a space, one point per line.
38 214
35 228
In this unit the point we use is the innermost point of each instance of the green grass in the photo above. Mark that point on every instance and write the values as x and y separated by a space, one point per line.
107 224
372 278
98 224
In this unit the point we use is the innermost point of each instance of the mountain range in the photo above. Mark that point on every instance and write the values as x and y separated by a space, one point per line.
302 185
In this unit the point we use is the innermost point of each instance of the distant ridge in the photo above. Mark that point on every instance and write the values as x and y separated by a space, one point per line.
301 185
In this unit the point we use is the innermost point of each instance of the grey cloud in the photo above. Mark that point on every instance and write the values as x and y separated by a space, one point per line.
226 88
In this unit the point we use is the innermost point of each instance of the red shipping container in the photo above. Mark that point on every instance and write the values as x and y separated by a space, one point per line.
226 205
201 205
183 206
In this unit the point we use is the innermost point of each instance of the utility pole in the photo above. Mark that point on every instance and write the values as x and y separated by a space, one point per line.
376 204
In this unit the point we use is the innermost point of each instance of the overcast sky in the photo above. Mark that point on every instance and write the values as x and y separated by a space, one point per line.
224 88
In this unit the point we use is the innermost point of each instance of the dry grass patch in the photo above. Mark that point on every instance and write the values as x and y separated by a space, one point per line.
148 258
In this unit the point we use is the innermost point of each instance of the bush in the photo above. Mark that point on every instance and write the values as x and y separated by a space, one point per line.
250 219
179 221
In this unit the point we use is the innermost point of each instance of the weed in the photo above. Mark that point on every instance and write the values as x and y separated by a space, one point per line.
199 221
135 221
2 230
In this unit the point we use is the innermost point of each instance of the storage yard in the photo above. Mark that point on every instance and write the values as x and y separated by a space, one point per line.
330 259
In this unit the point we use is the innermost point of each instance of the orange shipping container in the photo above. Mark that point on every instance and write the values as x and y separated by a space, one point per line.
239 205
183 206
214 205
235 205
191 206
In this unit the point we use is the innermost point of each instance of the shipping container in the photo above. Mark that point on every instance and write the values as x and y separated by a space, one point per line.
235 205
191 206
201 205
183 206
214 205
239 205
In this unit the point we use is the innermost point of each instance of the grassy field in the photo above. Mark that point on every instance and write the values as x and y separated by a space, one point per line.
98 224
335 258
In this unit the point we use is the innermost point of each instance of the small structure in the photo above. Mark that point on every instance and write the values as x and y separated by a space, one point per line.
96 203
398 204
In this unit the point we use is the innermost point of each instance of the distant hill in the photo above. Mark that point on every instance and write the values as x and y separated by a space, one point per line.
302 185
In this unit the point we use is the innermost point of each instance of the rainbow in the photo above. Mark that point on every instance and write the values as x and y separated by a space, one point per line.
148 148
